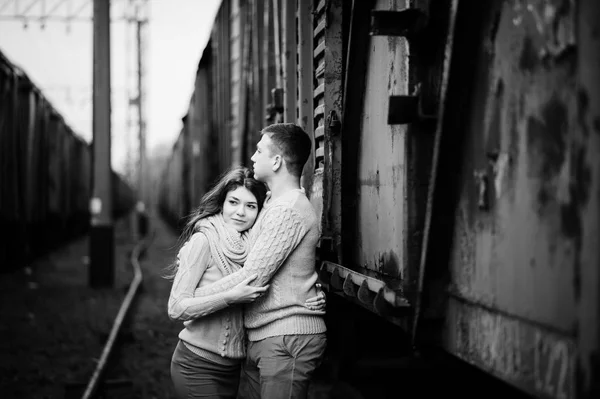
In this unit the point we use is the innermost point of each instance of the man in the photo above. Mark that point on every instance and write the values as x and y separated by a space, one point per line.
286 339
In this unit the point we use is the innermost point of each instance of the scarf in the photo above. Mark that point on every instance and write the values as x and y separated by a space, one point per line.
228 247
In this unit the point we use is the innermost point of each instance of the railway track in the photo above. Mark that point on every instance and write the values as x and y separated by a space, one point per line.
100 385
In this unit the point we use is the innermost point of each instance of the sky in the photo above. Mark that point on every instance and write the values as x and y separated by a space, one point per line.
57 57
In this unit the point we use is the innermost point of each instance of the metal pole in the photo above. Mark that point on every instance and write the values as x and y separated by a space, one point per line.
289 61
102 234
140 113
142 194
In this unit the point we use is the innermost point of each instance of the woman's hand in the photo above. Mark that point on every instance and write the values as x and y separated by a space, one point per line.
245 293
319 302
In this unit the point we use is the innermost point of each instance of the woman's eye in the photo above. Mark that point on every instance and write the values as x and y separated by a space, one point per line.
252 206
232 202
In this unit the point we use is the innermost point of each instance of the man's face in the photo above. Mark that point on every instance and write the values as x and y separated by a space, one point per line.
264 158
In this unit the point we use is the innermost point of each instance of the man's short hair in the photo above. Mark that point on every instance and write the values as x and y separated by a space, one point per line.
292 142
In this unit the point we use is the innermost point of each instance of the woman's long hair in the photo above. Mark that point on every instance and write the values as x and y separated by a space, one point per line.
212 202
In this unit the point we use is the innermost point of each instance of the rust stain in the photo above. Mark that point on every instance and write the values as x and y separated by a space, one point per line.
494 131
529 58
571 223
582 110
546 147
372 181
387 264
553 21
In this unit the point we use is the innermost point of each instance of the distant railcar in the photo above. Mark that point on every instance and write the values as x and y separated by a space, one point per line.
456 172
45 174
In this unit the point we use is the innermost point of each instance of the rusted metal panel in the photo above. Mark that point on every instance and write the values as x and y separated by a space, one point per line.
381 164
529 356
524 137
359 45
525 230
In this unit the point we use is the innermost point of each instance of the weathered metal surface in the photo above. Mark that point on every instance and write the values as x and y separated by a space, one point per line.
526 141
381 164
359 45
332 95
525 230
535 359
315 195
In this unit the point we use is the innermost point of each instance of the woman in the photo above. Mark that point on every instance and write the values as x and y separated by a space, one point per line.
207 359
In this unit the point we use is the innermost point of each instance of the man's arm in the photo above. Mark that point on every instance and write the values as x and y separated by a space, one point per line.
282 231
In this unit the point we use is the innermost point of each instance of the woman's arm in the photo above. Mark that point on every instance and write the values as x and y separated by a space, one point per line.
318 302
193 261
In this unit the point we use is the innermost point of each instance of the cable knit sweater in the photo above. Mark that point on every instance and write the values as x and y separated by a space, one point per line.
212 330
283 255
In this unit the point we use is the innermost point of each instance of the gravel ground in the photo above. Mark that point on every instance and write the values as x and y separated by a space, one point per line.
54 326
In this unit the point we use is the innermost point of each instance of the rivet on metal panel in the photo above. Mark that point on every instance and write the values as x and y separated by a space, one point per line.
349 287
482 182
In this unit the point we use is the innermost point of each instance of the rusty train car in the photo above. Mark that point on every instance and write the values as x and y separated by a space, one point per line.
456 172
45 177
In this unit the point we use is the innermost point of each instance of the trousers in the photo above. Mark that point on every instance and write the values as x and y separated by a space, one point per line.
281 367
196 377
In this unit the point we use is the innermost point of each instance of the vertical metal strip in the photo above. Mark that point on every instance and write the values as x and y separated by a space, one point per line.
289 60
305 83
333 97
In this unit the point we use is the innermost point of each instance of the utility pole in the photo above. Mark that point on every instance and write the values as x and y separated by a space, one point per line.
102 230
142 194
141 136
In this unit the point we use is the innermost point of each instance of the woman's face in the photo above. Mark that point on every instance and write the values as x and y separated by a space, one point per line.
240 209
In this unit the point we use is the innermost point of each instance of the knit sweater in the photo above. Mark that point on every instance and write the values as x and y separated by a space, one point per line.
283 255
212 330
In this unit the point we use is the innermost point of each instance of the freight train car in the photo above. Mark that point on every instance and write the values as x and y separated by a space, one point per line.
455 171
45 173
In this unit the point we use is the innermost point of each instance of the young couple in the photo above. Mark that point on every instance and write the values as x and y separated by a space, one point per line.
245 282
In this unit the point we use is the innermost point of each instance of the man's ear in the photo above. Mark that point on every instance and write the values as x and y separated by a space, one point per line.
277 162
